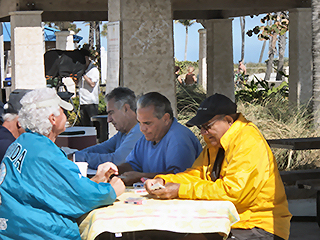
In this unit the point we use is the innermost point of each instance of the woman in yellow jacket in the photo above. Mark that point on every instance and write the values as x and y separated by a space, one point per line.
237 165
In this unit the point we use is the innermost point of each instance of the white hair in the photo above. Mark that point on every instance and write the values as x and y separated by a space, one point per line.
8 117
37 119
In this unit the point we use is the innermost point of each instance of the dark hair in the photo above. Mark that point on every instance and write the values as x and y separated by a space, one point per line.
176 68
161 104
121 96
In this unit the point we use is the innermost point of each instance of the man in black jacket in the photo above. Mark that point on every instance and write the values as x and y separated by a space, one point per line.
11 128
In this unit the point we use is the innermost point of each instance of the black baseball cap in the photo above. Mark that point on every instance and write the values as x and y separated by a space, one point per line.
13 105
216 104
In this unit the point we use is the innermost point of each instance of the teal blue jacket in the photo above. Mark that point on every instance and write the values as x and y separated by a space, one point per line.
42 192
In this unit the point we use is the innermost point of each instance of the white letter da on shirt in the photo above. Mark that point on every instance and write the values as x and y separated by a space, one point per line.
16 155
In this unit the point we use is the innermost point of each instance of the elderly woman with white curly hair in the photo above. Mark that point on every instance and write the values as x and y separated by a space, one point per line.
42 192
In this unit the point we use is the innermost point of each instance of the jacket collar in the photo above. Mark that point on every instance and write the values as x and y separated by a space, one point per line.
240 123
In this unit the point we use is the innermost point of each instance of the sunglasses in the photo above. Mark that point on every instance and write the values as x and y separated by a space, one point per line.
208 126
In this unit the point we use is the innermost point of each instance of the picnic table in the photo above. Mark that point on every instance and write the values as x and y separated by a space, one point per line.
177 215
295 143
301 178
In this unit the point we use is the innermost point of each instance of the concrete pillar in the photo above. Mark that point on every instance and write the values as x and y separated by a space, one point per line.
146 45
220 57
203 58
300 63
27 50
104 60
64 40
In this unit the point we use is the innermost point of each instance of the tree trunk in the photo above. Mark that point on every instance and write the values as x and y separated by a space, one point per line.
315 7
91 35
186 46
272 44
264 44
262 51
97 36
243 34
98 42
282 47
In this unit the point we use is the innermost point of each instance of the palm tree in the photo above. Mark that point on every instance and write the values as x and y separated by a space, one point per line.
243 34
264 44
98 41
272 50
187 24
94 34
276 26
262 51
281 49
91 34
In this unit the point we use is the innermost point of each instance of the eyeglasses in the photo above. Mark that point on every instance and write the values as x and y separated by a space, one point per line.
208 126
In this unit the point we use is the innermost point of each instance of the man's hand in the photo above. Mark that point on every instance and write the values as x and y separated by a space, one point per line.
104 172
117 185
170 191
132 177
151 182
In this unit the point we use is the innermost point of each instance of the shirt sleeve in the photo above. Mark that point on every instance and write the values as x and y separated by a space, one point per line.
60 186
93 74
100 153
114 150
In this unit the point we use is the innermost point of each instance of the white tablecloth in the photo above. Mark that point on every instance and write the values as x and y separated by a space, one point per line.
184 216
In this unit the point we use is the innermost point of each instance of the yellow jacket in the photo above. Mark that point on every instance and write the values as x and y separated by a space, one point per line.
249 178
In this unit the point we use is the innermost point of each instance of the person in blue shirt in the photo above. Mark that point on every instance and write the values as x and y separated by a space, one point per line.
42 192
166 147
121 110
11 128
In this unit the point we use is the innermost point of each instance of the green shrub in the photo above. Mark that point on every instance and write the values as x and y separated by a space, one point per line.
260 90
102 107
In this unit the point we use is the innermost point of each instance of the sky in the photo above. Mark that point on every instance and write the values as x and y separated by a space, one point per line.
252 44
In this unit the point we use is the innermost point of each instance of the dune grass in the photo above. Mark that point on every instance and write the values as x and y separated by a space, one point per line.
275 117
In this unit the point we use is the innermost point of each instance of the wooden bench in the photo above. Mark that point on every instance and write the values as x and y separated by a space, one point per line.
303 179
